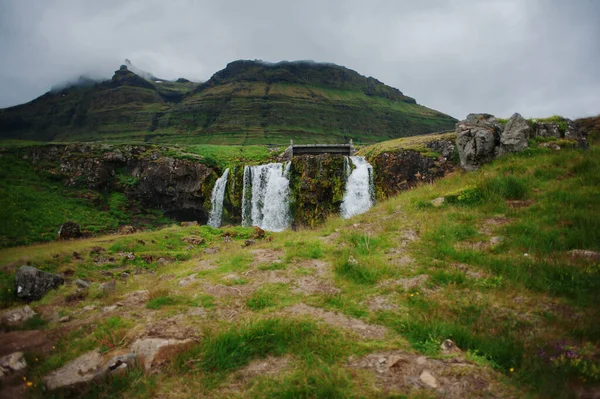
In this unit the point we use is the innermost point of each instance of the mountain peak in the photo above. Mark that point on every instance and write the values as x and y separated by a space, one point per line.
304 72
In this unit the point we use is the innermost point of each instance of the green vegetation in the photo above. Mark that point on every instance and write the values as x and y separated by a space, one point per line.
255 105
289 316
35 203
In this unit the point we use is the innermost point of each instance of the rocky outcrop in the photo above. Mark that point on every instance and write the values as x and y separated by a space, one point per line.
11 363
32 284
79 371
481 138
180 187
516 134
477 138
317 185
17 316
401 169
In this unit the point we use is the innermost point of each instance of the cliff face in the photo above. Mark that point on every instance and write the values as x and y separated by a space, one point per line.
180 188
248 102
317 187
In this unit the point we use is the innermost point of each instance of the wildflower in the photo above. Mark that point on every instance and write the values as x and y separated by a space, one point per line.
29 383
36 359
24 378
412 295
54 347
512 369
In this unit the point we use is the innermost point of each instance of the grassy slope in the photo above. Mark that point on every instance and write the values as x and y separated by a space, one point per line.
35 203
508 306
240 111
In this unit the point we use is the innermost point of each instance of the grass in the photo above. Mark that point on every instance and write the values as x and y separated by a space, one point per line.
508 307
34 204
234 348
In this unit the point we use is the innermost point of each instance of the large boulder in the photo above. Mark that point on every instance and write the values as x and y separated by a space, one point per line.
476 139
32 284
516 134
81 370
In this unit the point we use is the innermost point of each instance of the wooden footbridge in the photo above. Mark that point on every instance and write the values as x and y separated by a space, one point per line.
318 149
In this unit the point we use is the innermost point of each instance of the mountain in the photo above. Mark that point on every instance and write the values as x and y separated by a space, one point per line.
248 102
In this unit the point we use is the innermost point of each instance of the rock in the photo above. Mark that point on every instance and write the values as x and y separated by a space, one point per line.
496 240
81 370
210 251
109 287
421 360
120 362
64 319
127 255
107 309
155 351
516 134
194 240
125 275
247 243
428 379
88 308
547 129
11 363
69 230
552 146
448 346
162 262
438 202
32 284
127 229
352 260
18 316
584 253
476 139
81 283
189 224
258 232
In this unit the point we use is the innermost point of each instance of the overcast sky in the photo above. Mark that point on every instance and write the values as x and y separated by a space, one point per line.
536 57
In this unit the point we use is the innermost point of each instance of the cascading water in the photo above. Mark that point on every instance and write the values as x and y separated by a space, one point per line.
218 194
359 195
266 196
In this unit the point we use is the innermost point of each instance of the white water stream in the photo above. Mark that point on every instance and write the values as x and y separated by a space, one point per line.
360 191
218 194
266 196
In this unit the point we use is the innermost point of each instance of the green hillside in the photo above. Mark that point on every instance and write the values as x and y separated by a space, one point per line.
248 102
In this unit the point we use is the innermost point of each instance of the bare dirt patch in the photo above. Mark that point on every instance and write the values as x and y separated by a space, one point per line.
364 330
204 265
379 303
172 328
220 290
398 371
409 282
25 341
266 256
135 298
320 267
331 238
313 285
489 225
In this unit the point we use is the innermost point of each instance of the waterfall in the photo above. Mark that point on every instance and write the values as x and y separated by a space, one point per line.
266 196
359 195
218 194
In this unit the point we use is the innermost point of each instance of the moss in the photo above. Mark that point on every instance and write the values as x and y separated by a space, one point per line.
317 188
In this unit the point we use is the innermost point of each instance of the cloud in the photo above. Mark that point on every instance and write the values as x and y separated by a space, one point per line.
537 57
